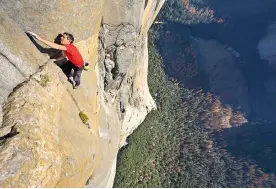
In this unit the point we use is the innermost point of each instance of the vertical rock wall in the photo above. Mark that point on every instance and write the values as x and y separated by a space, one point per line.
123 60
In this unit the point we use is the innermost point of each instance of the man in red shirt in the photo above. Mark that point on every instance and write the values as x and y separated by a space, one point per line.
73 57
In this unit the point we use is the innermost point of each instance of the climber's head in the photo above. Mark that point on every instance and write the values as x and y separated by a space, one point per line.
67 38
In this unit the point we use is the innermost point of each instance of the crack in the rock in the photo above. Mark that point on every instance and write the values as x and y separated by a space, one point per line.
74 100
15 66
11 134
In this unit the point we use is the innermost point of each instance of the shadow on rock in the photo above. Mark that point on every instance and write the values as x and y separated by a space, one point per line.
52 53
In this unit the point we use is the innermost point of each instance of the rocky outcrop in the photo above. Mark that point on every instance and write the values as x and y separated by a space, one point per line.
43 142
29 146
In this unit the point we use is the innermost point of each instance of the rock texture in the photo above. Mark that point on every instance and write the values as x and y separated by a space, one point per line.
31 146
50 17
17 64
123 61
43 142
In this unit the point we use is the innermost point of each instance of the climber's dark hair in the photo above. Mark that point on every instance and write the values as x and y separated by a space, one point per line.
70 37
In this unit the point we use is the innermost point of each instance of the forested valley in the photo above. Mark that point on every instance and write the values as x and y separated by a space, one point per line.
178 145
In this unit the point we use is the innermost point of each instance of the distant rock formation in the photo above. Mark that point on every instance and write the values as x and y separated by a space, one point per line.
43 142
220 63
267 46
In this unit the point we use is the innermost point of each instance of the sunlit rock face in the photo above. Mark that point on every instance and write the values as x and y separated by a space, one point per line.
17 63
43 142
50 17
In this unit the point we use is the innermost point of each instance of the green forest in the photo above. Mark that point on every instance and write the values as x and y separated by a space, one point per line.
175 145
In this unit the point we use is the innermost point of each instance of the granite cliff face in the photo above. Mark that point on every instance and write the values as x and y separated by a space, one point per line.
123 61
43 142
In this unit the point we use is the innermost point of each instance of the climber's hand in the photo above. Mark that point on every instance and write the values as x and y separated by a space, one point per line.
34 35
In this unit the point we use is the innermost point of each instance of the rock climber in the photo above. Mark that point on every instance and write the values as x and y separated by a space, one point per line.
74 60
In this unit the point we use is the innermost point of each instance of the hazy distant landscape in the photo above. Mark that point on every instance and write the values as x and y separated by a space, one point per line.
215 124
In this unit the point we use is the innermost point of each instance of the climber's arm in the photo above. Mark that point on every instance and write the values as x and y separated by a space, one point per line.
49 43
52 44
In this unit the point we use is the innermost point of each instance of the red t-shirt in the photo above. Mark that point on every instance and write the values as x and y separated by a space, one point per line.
74 55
